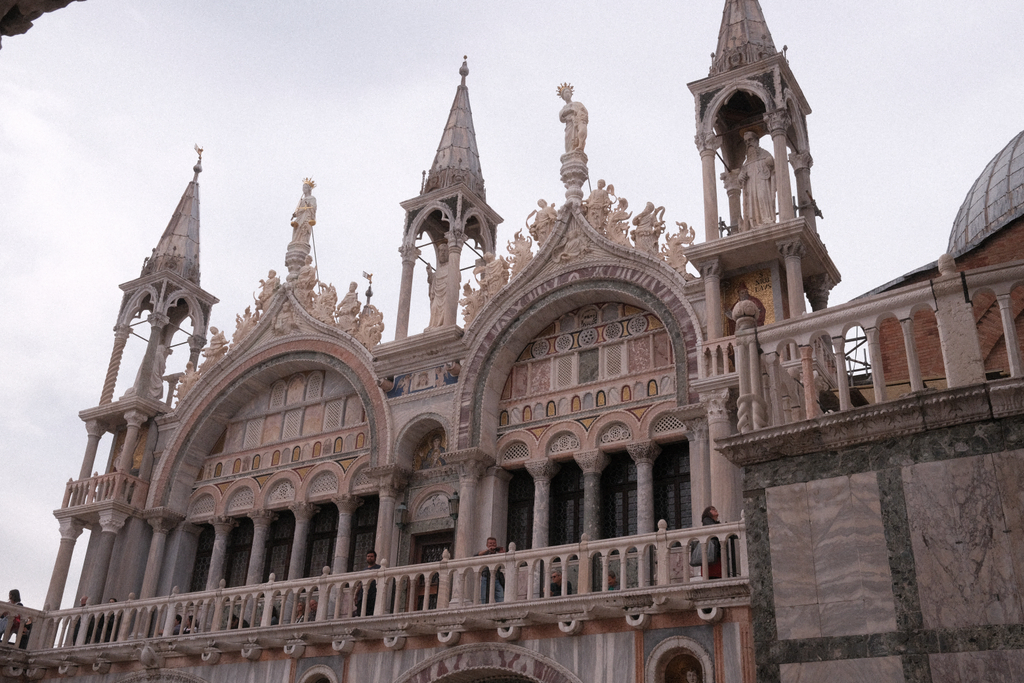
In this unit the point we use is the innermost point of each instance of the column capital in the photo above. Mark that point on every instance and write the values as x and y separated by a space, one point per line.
592 461
643 451
158 320
817 287
696 428
543 469
792 248
716 403
347 503
95 428
122 331
223 525
111 521
303 511
390 479
262 517
471 463
163 521
456 238
778 121
712 268
707 143
197 342
731 180
801 161
135 418
71 528
409 253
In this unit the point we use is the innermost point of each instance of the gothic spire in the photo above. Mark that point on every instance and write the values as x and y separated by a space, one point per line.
744 37
178 249
457 159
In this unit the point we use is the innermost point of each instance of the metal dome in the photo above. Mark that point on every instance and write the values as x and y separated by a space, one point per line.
996 198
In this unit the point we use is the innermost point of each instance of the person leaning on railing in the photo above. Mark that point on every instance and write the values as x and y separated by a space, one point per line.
14 597
485 574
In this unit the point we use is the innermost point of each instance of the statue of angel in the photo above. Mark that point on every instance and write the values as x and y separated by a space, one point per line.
543 224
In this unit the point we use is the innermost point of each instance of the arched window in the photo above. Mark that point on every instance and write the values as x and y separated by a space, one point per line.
279 546
296 454
618 497
316 449
672 486
256 462
566 518
204 554
238 552
364 532
218 469
339 445
323 530
519 527
360 440
551 409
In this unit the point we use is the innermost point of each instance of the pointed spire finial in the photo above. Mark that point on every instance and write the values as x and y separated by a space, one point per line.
198 168
464 69
457 159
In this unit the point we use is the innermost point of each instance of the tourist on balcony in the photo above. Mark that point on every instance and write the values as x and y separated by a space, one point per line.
556 584
485 574
613 581
14 597
371 592
177 625
78 622
710 516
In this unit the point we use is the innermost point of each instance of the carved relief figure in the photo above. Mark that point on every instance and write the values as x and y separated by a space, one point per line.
324 303
305 283
673 251
187 381
617 229
576 244
244 324
370 327
574 116
471 302
348 310
492 274
304 217
217 349
522 253
544 223
267 289
598 205
649 227
758 180
437 284
156 388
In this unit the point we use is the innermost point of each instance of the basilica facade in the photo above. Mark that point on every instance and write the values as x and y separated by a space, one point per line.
617 454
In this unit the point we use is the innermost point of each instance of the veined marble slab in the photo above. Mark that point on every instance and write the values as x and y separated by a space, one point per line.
991 666
875 670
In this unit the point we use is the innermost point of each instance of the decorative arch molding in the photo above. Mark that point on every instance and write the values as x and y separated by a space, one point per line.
603 423
427 211
489 658
201 423
412 433
134 305
275 493
196 313
161 676
663 652
446 490
239 498
707 125
320 477
317 673
495 348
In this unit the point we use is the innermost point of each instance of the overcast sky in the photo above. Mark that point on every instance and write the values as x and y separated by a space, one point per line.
101 103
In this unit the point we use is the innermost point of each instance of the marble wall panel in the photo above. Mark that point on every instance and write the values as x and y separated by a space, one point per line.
1010 479
598 658
875 670
992 666
540 378
962 554
829 559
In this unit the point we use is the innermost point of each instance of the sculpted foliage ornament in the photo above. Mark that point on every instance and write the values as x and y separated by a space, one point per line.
324 303
674 249
617 227
244 325
347 313
521 250
370 327
649 226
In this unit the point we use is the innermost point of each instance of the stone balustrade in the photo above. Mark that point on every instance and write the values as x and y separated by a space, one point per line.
115 486
449 597
16 623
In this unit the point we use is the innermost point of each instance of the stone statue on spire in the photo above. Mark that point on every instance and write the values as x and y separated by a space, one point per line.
757 177
304 217
574 116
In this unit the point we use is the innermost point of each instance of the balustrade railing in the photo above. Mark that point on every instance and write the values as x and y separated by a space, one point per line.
551 576
116 486
16 624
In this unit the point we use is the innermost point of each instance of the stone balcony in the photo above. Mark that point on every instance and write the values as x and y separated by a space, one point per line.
84 498
438 600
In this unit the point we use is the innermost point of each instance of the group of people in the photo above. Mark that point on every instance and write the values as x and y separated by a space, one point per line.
12 621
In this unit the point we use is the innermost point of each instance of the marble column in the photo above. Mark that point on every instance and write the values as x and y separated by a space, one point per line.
121 333
644 455
811 407
542 472
733 188
711 273
592 463
778 121
196 344
70 530
385 524
347 505
726 478
303 513
913 363
261 520
409 253
793 252
1010 334
222 526
875 358
707 144
162 525
456 238
95 431
802 163
470 472
135 421
839 348
700 466
111 522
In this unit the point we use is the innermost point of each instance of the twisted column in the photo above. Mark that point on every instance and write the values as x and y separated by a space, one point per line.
121 333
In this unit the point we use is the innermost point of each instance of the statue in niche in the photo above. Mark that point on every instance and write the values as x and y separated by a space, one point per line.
187 381
348 310
471 302
617 227
244 324
216 350
156 388
543 224
370 327
757 177
430 452
598 205
522 253
324 303
574 116
674 249
437 284
305 283
649 226
304 217
267 289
